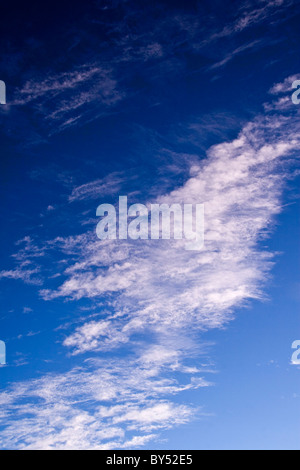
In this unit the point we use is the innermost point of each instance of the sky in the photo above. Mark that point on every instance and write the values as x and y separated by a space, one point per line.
141 344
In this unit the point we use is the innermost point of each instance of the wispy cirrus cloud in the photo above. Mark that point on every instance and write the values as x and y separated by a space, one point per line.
105 405
64 98
71 97
252 14
240 205
253 45
158 299
107 186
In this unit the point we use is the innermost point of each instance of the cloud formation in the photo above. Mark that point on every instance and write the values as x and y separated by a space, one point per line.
67 98
143 346
154 298
103 405
108 186
159 282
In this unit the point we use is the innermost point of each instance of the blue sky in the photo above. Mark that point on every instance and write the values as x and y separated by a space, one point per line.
141 344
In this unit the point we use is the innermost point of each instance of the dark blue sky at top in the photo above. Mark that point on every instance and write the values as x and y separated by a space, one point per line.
162 94
138 92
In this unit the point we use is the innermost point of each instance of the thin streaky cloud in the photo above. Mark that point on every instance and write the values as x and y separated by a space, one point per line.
252 46
107 186
88 89
252 17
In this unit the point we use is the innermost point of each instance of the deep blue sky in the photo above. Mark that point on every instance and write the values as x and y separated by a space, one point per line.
126 345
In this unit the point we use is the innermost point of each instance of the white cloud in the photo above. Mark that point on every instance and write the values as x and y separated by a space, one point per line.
68 98
109 405
283 91
285 86
94 335
251 14
23 274
97 189
158 297
228 58
27 310
157 284
154 417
